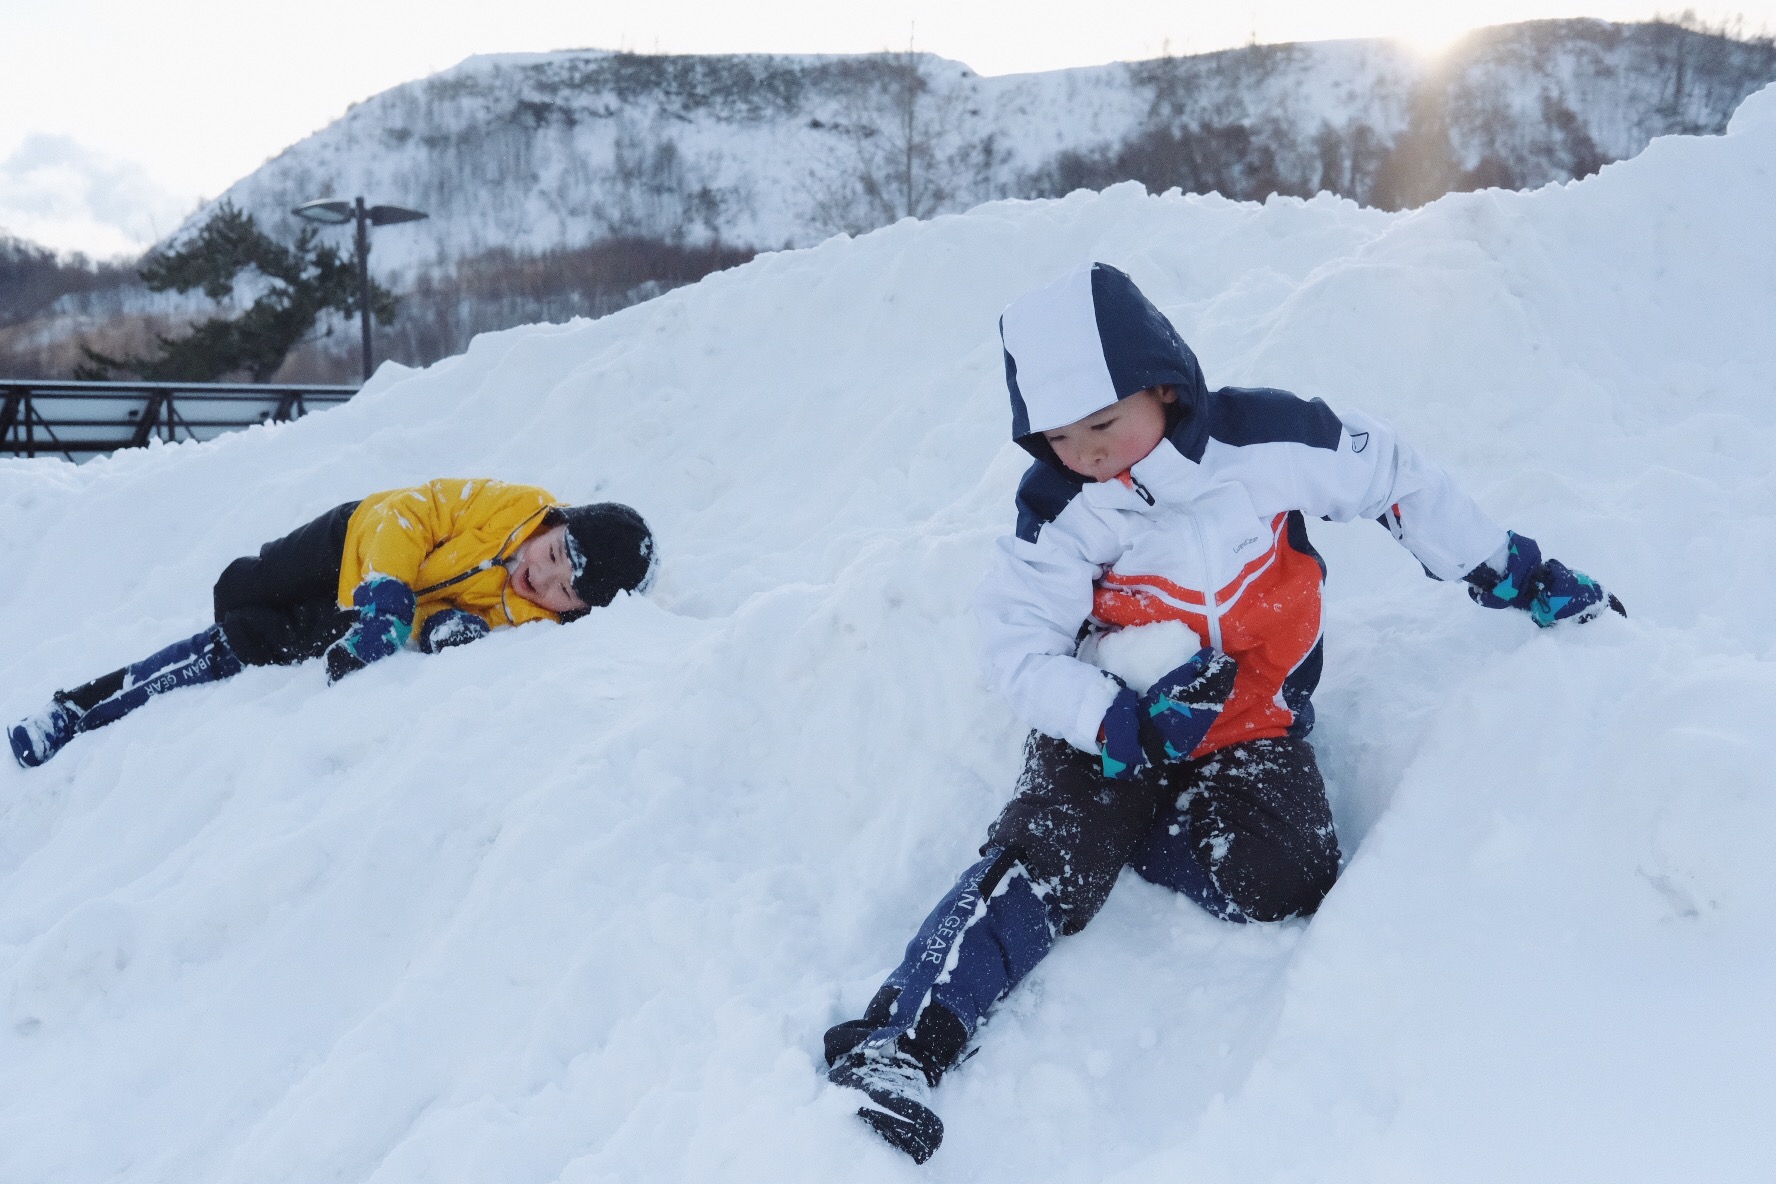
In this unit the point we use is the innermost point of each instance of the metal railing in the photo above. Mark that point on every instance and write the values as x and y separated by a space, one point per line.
50 417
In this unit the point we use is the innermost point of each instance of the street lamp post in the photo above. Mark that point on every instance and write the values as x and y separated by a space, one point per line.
335 212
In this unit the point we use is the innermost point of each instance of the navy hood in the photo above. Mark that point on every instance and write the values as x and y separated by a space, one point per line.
1080 344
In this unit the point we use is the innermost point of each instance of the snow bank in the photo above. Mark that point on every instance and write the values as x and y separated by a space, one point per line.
576 903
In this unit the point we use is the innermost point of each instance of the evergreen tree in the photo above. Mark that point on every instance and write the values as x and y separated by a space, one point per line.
303 280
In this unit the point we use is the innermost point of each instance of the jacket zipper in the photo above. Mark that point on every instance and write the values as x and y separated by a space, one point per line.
1211 608
484 565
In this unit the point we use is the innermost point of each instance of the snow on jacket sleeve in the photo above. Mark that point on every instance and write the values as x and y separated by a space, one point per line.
1030 606
392 533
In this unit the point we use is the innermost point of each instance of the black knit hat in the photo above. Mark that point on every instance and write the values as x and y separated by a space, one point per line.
610 547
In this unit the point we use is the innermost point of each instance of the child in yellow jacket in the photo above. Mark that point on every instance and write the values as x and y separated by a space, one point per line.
443 562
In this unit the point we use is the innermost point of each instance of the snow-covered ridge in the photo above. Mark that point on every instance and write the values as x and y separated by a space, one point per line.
534 151
656 168
576 903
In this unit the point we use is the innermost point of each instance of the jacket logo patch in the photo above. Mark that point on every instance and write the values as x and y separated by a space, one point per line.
1359 441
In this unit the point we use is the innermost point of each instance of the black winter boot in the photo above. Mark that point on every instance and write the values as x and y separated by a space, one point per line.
38 737
203 658
897 1072
899 1092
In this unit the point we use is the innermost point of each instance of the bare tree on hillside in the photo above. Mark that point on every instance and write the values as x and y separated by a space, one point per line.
902 148
654 192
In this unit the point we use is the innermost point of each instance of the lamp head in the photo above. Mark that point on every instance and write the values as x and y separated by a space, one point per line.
327 211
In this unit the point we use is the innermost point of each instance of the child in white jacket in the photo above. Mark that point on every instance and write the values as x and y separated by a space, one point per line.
1154 499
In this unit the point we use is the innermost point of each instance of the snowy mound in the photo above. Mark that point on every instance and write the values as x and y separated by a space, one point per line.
575 903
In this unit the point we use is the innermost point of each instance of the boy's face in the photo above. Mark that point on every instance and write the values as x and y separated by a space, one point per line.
1109 440
543 574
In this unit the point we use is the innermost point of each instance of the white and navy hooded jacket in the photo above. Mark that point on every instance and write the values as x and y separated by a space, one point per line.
1208 528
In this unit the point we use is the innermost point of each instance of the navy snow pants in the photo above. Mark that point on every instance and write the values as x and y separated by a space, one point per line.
1246 832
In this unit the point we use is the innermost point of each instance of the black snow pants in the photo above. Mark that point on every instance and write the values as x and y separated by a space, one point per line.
1246 832
282 606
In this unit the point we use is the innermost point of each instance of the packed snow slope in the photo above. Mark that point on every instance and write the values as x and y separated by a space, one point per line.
575 903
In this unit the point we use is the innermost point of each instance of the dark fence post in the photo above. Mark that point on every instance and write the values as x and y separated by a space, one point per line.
9 414
145 425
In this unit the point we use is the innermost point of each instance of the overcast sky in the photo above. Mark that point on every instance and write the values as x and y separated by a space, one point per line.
117 116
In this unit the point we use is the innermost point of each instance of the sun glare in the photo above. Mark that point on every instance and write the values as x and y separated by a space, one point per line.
1428 32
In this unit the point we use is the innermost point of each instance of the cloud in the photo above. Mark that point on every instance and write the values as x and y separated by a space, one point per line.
57 192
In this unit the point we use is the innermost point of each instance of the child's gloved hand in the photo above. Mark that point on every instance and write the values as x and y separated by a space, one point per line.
385 620
1178 710
451 627
1548 590
1119 736
1170 720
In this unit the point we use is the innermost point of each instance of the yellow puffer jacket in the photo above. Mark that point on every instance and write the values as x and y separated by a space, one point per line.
447 540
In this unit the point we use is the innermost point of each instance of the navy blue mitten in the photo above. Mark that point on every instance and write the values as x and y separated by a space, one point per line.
1170 720
1119 736
385 621
1548 590
451 627
1178 710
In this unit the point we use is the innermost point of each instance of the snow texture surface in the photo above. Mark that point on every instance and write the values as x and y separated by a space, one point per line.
575 903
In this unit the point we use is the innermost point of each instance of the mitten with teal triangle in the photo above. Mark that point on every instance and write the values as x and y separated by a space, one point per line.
1548 590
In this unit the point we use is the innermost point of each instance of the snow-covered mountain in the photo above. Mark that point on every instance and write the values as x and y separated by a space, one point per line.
569 184
575 903
537 151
